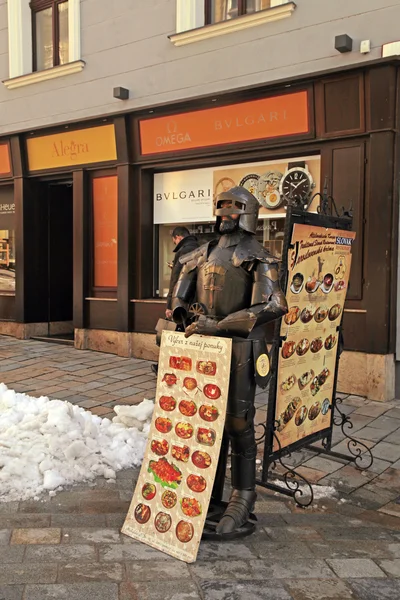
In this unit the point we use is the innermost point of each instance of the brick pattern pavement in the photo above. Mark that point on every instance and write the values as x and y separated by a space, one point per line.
69 547
92 380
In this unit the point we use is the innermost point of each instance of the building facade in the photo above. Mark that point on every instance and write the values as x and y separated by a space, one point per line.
221 92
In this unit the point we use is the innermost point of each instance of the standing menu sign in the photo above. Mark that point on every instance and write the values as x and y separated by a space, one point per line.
319 263
171 499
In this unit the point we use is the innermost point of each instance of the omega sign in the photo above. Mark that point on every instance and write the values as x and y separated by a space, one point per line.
172 137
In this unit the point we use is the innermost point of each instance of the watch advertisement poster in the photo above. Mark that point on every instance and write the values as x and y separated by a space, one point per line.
319 261
173 491
269 181
189 196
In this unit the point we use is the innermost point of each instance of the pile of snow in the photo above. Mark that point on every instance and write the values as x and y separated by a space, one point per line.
319 491
48 444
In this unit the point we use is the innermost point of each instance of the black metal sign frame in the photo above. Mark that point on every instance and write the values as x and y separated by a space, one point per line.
294 484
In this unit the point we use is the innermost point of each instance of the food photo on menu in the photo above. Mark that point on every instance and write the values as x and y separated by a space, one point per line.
171 499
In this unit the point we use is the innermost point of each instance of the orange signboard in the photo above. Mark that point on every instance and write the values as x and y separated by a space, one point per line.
105 231
258 119
81 147
5 165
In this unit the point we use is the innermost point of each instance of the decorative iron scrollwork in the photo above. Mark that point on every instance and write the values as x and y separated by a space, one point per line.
360 452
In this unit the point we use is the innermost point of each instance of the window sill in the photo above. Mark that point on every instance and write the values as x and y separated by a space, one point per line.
30 78
209 31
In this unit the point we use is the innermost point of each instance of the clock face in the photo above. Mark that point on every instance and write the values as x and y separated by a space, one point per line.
296 185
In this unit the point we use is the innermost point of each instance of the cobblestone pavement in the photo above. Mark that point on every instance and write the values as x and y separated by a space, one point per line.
69 547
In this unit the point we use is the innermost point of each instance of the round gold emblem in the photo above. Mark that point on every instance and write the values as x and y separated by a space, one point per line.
262 365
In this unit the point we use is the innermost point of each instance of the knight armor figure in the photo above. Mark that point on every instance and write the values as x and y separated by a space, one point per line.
234 280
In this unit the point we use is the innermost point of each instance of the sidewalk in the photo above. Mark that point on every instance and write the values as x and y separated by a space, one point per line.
69 547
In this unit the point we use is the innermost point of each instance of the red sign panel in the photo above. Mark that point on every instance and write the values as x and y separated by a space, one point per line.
258 119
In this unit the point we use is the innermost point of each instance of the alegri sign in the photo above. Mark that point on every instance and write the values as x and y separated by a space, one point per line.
259 119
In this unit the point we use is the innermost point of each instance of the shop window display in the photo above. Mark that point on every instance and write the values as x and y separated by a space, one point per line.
269 233
7 261
187 198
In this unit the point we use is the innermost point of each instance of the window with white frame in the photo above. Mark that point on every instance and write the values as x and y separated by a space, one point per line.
44 40
198 20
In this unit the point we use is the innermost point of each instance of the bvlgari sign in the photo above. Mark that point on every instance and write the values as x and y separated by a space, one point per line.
272 117
183 196
80 147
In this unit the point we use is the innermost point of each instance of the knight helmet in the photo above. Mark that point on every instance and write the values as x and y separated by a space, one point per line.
243 203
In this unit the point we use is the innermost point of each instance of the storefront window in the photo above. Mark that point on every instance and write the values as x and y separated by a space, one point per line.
187 198
7 260
269 234
105 232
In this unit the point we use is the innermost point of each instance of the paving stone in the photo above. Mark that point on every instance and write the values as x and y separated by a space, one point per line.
392 508
231 569
129 552
386 451
9 507
323 464
11 554
348 478
292 533
157 571
227 550
388 481
355 567
243 590
275 508
300 569
378 466
36 536
353 549
373 409
60 553
372 497
4 536
313 519
11 592
393 413
358 421
376 589
76 573
319 589
393 438
371 433
355 533
312 475
391 567
78 591
386 424
91 535
156 590
61 520
281 550
24 573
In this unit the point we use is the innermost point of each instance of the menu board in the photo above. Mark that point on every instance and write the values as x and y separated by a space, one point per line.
171 499
319 263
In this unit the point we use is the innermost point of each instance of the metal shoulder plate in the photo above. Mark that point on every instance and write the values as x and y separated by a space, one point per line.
250 250
196 258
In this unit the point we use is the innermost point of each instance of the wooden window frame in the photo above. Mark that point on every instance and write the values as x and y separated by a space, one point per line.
37 6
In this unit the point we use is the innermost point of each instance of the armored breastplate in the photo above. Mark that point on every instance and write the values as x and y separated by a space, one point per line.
221 287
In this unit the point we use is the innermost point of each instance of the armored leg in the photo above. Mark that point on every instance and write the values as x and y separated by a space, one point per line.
240 428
